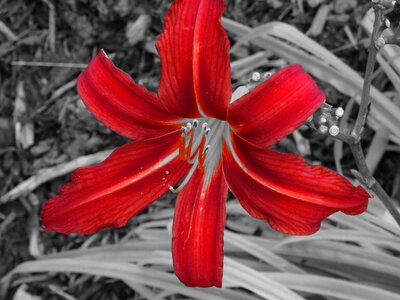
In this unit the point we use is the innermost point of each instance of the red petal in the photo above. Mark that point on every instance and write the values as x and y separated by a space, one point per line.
194 52
199 222
109 194
276 107
282 189
121 104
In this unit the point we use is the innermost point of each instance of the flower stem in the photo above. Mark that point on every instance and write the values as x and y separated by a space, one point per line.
354 139
365 97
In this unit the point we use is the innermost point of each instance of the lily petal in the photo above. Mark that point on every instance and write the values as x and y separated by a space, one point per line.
110 193
194 52
281 188
199 221
122 105
276 107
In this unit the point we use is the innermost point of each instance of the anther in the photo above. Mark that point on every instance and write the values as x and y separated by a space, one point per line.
322 119
323 129
207 131
206 149
189 126
204 126
334 130
184 130
195 123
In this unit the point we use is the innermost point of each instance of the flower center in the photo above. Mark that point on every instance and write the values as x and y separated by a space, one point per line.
201 146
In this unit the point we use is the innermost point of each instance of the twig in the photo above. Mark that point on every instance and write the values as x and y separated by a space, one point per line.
7 32
10 218
354 139
319 21
52 25
48 174
55 95
22 63
365 96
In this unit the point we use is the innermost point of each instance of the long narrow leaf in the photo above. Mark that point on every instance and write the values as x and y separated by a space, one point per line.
331 287
330 69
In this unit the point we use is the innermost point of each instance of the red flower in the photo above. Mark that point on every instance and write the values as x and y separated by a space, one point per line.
191 133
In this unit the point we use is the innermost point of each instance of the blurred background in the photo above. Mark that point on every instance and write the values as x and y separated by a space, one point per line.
46 132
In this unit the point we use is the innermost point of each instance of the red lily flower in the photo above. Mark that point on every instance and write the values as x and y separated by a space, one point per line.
191 133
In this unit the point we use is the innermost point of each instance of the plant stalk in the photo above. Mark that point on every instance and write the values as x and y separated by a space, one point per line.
354 139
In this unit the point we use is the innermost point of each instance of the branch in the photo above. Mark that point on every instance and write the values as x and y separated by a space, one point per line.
365 96
354 139
326 118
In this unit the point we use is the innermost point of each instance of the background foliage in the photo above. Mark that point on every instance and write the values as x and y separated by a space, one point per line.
45 132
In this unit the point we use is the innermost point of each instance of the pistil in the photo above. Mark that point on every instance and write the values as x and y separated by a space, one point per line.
200 144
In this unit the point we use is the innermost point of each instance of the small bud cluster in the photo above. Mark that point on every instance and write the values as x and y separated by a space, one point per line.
326 119
384 39
257 78
388 13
